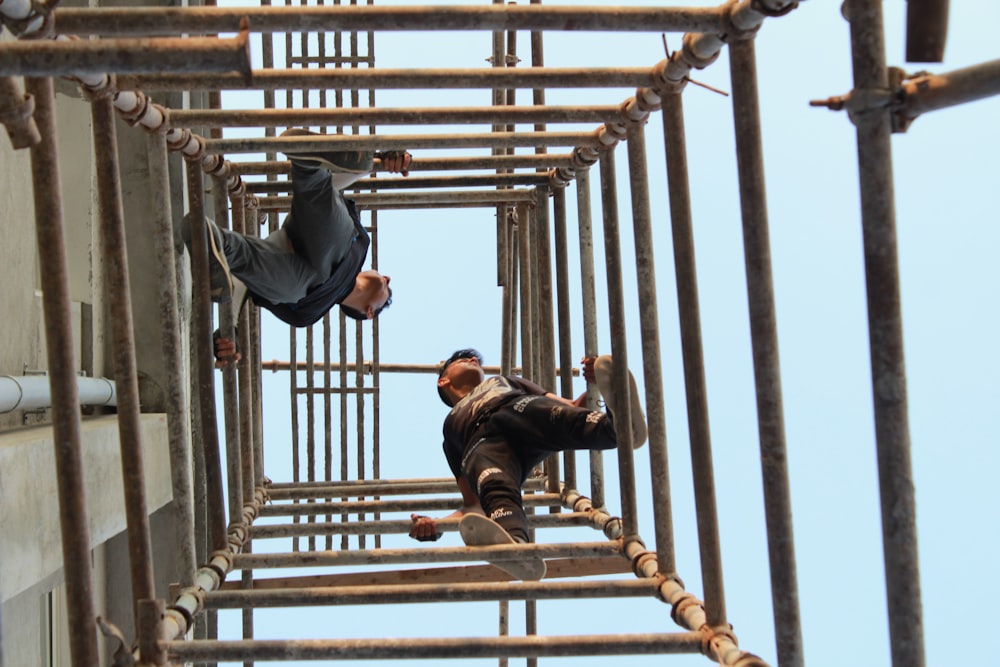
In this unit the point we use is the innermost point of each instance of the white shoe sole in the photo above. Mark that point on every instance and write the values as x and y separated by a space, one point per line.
603 375
479 531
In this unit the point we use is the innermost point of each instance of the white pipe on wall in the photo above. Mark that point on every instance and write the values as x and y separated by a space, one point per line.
31 392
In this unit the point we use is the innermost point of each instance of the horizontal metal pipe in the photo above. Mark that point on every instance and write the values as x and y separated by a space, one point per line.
368 487
410 648
127 56
392 116
385 199
474 592
418 505
419 163
175 21
484 180
938 91
400 79
341 142
368 366
431 555
397 526
32 392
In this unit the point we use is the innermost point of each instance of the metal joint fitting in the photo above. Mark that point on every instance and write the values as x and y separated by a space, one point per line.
773 8
134 115
681 606
663 85
736 32
689 56
106 88
226 557
584 157
37 24
20 123
640 560
613 528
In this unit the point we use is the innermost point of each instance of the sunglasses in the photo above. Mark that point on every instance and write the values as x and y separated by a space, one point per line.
468 353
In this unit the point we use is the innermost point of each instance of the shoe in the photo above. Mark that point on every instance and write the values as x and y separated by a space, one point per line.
220 281
349 162
602 372
479 531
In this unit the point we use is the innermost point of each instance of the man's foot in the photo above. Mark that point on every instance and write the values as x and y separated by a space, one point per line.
479 531
220 281
602 372
348 162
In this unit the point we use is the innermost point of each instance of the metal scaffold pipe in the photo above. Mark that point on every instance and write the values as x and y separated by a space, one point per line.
548 160
649 329
113 250
178 412
67 439
764 342
695 390
343 142
885 333
391 116
16 111
199 20
423 593
75 57
400 79
412 648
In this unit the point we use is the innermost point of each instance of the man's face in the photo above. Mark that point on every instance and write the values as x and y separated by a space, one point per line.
464 371
374 289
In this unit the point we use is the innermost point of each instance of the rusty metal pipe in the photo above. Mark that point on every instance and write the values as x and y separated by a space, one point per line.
563 318
417 593
391 116
245 378
926 30
938 91
766 362
198 20
885 332
65 405
112 221
589 308
16 111
433 198
178 417
549 160
401 79
127 56
652 365
616 317
414 183
379 506
204 358
695 390
409 648
343 142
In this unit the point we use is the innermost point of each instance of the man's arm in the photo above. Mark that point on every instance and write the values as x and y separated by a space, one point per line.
588 375
425 528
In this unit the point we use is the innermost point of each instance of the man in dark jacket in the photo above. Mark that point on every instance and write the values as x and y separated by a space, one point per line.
314 261
502 427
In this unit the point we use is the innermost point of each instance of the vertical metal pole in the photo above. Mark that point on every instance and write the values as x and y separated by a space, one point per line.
62 379
562 306
589 297
764 338
885 331
359 411
616 315
201 318
230 397
507 303
245 372
694 359
327 413
546 370
652 365
310 423
512 284
293 382
123 348
178 417
525 269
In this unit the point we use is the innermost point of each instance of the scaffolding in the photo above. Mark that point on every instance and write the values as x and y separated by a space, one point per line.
340 518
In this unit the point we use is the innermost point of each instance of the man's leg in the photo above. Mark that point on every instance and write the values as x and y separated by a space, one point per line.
495 474
537 426
320 227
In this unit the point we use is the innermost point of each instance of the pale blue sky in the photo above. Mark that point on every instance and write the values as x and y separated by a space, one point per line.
442 264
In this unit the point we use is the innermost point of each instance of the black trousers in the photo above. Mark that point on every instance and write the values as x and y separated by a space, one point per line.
516 438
